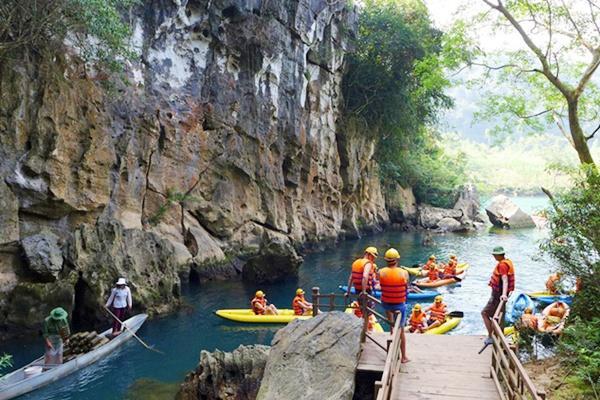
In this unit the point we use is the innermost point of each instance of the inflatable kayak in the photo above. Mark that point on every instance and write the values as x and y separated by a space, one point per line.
376 326
420 272
451 323
556 328
425 283
549 298
516 308
247 315
416 271
426 295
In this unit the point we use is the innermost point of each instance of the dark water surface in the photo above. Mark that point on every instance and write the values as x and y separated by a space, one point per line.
182 335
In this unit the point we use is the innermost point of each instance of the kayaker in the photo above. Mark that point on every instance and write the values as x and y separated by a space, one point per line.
528 320
553 285
433 275
260 305
502 283
394 288
449 270
429 265
56 332
300 305
554 317
437 312
357 311
363 272
418 320
119 302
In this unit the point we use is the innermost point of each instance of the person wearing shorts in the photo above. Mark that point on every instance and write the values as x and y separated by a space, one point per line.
394 288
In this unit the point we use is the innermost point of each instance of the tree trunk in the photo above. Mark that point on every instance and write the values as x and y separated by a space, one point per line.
579 141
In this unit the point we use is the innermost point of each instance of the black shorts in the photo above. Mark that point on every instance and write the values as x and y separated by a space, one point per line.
492 304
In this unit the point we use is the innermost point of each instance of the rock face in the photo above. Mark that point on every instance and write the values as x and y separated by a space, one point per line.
44 256
402 205
313 359
221 375
504 213
224 138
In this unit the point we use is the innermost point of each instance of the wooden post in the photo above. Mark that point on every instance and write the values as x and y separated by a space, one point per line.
315 301
331 302
363 307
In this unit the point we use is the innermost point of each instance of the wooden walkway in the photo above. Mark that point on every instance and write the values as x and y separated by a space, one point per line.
441 367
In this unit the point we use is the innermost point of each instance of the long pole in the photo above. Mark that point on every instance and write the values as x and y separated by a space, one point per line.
132 332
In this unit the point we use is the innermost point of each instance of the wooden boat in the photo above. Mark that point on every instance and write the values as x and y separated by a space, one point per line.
18 382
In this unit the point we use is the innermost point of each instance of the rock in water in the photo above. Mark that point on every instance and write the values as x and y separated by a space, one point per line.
313 359
429 216
222 375
448 224
468 202
44 255
504 213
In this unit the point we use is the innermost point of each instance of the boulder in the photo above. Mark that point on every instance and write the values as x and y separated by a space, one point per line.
277 259
504 213
448 224
469 204
430 216
313 359
43 254
223 375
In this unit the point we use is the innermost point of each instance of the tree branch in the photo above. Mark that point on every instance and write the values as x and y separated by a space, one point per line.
587 75
591 136
558 122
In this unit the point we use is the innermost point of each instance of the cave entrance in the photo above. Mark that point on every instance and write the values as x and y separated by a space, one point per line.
85 312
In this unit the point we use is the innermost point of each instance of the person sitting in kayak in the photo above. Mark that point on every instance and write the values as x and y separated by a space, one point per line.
529 320
300 305
56 332
260 305
433 275
449 270
553 285
437 313
554 317
430 264
418 320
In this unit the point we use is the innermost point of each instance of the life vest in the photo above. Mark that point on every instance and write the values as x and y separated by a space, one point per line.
254 303
430 264
551 283
433 274
557 311
298 310
529 321
356 307
417 320
358 268
393 285
496 279
438 313
450 268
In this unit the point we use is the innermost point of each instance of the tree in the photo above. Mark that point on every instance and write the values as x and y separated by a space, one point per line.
548 81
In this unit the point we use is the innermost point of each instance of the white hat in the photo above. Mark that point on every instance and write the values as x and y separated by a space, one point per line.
121 281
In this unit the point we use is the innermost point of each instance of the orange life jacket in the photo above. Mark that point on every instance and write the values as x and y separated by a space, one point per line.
438 312
393 285
254 303
358 268
529 320
433 274
557 311
450 268
298 310
551 283
417 320
496 279
430 264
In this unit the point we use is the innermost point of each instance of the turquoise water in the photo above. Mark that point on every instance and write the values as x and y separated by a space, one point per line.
183 335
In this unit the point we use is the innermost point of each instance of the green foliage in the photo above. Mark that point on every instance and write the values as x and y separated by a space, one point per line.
5 362
95 27
580 349
574 240
173 197
395 86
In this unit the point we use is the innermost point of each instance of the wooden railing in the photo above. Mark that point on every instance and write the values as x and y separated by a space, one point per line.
383 388
508 373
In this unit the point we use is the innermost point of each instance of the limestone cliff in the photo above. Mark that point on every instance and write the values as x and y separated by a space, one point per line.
219 152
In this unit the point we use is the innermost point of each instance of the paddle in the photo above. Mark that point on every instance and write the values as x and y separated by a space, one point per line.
456 314
133 333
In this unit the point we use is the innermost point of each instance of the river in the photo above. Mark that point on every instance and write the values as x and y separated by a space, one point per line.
184 334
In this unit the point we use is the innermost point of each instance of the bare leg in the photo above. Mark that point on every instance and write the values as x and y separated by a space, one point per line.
403 347
487 322
435 324
390 317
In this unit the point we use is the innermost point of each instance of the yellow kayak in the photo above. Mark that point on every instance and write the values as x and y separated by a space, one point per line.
247 315
416 271
460 273
460 268
447 326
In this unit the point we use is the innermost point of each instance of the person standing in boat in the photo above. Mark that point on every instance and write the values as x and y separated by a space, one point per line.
502 283
56 331
119 301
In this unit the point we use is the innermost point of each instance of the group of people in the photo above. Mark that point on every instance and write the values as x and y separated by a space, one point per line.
260 305
436 271
551 319
56 330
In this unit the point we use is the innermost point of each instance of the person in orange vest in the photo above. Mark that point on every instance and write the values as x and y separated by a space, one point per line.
449 270
437 312
363 272
433 275
429 265
502 283
553 283
528 320
260 305
418 320
300 305
394 288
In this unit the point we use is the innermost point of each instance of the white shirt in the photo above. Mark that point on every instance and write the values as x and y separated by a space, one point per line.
119 298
